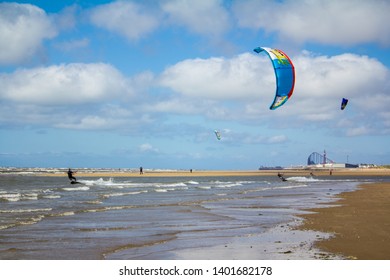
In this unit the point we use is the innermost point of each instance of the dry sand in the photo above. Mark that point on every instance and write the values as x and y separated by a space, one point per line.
361 225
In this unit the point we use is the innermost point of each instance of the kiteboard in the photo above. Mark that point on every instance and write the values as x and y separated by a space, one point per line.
75 182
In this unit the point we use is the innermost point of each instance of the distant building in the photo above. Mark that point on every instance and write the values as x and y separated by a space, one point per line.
322 161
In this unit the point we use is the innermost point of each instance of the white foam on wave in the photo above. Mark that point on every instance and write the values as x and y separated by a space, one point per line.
193 183
303 179
14 197
11 197
83 188
204 187
228 185
31 221
122 194
26 210
67 213
109 208
111 183
51 196
30 196
292 186
180 184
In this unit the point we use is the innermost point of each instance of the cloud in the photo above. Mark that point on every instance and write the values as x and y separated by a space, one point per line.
323 81
125 18
78 96
202 17
246 77
236 89
322 21
358 131
73 45
241 88
136 20
89 122
147 148
219 78
23 28
66 19
277 139
64 84
234 137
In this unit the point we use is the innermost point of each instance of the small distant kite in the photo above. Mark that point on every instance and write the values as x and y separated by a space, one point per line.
217 134
285 75
344 103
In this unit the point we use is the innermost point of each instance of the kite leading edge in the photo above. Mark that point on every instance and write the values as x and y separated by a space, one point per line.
285 75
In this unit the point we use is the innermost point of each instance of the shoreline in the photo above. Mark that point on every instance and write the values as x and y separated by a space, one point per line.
294 236
225 173
359 223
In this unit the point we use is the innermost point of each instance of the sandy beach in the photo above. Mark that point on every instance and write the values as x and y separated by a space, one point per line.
359 221
209 173
176 214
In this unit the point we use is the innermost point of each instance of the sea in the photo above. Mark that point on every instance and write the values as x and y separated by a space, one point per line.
163 218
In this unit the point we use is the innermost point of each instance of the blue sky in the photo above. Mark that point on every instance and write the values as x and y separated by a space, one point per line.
145 83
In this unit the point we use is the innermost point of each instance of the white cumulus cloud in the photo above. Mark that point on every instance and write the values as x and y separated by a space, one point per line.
147 148
23 28
64 84
330 22
128 19
241 88
238 77
321 82
205 17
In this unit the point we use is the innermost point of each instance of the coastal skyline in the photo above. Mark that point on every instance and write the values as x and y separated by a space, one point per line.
147 83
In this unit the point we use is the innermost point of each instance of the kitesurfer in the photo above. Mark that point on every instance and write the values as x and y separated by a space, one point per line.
70 175
141 170
280 175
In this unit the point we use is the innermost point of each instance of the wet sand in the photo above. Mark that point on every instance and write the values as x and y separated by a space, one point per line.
209 173
360 222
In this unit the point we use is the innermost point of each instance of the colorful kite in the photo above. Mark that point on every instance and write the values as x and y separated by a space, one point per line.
344 103
285 75
217 134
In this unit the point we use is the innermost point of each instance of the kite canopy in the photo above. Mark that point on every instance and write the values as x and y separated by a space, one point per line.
285 75
344 103
217 134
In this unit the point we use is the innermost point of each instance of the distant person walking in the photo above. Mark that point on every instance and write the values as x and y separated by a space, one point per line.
70 175
141 170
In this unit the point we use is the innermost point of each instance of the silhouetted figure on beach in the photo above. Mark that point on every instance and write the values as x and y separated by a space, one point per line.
280 175
70 175
141 170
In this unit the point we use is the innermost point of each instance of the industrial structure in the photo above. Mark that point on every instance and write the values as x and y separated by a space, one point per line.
317 160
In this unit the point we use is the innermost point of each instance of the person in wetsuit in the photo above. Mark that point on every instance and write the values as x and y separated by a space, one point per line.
70 175
280 175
